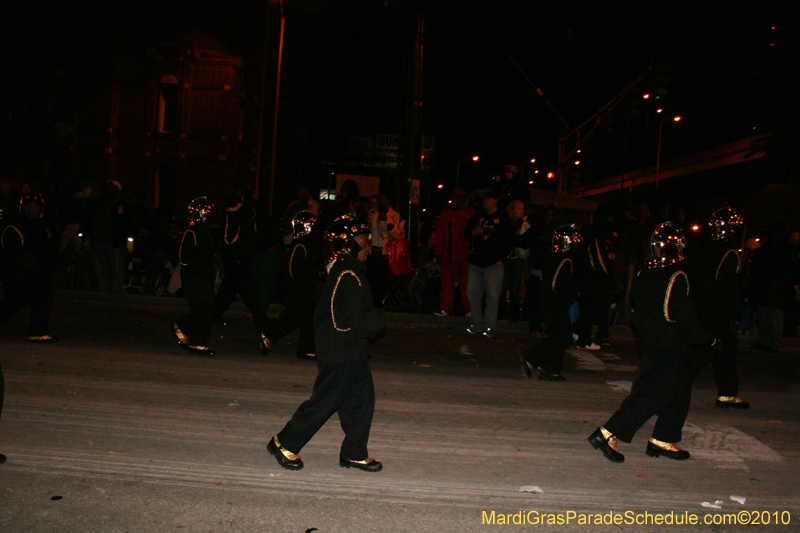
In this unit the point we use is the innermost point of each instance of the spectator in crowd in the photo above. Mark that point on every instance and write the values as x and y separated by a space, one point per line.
109 238
512 186
491 233
515 266
451 251
384 225
28 263
771 289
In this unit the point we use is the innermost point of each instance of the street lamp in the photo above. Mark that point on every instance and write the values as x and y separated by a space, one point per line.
658 154
522 167
458 166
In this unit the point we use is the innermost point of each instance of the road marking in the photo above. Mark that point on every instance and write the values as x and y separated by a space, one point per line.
598 361
621 386
726 446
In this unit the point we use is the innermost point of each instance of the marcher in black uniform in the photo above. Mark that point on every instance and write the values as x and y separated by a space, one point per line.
594 285
663 319
2 396
344 321
714 277
196 255
557 294
300 278
239 250
28 263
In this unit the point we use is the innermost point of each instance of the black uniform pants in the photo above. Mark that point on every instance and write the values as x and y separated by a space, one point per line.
662 389
240 279
534 307
29 288
298 313
343 387
548 353
197 323
594 304
378 275
724 365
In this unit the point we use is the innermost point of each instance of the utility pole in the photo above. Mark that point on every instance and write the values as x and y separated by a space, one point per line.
412 138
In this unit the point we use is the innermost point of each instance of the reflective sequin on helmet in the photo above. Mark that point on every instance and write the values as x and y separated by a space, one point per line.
565 238
302 223
724 222
666 246
199 210
340 236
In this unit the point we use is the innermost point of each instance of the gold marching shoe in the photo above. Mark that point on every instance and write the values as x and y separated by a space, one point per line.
606 442
731 402
657 448
285 458
367 465
43 338
263 343
200 350
180 337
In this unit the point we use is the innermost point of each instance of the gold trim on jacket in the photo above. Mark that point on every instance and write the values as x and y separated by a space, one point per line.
669 291
333 296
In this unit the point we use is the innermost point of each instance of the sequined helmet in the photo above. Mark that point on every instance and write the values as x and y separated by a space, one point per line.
724 222
35 198
565 238
666 246
199 210
302 223
340 237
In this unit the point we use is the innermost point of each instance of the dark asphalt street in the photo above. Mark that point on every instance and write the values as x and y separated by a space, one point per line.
117 429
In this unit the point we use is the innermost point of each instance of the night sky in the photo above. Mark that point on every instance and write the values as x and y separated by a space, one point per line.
343 68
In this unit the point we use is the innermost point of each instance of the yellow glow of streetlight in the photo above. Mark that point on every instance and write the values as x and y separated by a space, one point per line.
475 157
440 186
577 162
535 171
533 160
677 119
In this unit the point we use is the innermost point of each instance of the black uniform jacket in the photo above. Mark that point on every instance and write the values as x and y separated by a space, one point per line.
27 248
558 287
196 255
303 266
240 239
345 319
714 276
663 316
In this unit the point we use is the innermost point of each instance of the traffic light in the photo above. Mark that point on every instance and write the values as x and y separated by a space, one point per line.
657 80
